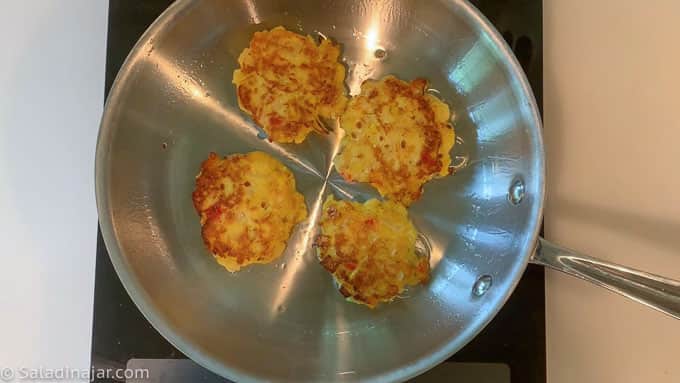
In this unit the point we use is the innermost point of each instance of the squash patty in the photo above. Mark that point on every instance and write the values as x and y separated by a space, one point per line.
370 249
397 137
248 206
286 82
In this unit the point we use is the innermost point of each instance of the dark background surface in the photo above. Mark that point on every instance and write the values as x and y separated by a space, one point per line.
515 337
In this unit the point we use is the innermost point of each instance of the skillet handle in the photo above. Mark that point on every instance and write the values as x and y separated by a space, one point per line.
657 292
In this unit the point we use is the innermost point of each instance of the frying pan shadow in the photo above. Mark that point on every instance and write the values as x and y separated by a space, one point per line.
661 232
657 231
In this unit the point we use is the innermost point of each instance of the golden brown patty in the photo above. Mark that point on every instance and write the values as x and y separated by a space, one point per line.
286 81
370 249
248 207
397 138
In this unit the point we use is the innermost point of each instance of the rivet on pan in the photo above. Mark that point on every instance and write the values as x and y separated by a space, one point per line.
380 54
482 285
516 191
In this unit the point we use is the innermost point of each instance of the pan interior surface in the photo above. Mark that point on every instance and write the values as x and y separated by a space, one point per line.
173 103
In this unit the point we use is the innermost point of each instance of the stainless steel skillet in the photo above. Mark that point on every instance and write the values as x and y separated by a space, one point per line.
173 103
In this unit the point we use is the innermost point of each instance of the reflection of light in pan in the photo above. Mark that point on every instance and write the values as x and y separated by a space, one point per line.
433 248
470 70
371 37
471 236
301 240
449 279
177 77
302 245
490 182
495 117
486 236
343 333
252 11
365 65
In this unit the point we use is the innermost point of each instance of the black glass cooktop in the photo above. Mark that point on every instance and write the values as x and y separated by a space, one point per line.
510 348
